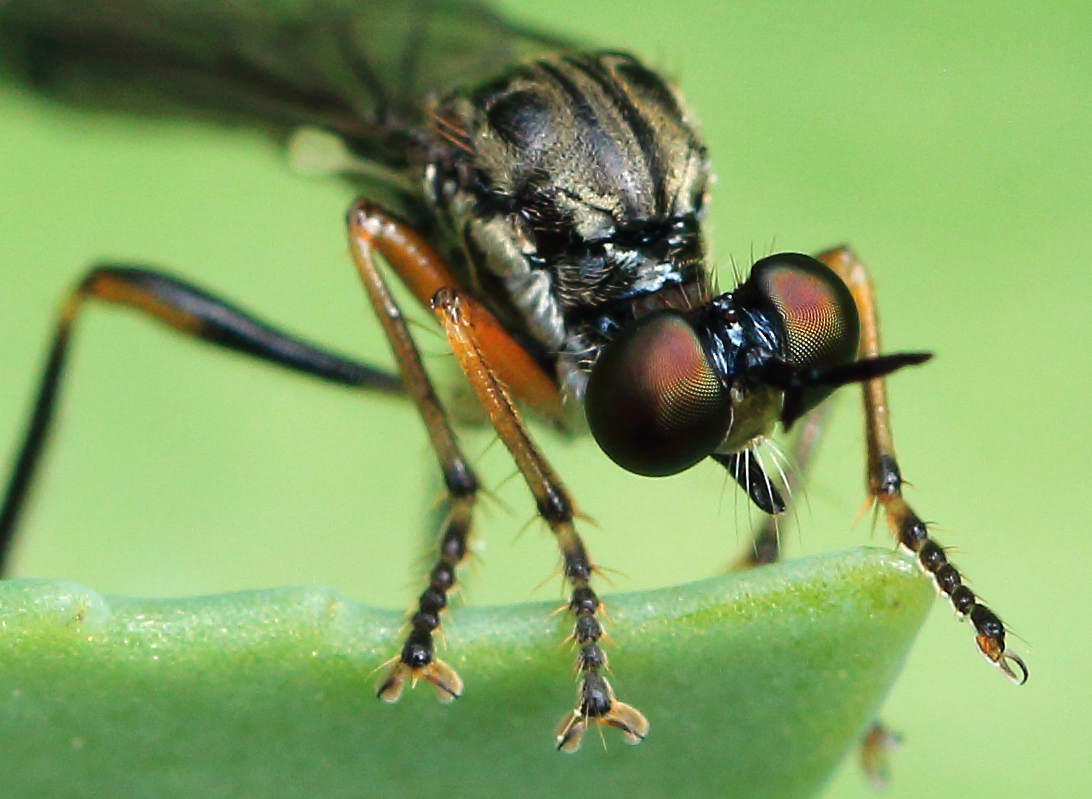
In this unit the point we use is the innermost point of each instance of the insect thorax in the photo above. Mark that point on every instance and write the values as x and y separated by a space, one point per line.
574 185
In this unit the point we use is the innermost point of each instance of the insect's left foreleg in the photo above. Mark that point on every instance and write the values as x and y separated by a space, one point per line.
418 658
466 323
885 482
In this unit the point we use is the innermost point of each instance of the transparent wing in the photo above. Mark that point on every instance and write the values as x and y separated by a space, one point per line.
359 68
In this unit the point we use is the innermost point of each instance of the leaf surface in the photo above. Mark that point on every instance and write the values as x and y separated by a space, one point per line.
756 685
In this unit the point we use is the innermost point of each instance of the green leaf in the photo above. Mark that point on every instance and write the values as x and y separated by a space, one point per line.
756 684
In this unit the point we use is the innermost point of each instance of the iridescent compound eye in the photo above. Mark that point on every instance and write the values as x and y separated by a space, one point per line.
654 403
822 326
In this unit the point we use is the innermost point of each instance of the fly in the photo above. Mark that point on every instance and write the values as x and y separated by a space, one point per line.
545 201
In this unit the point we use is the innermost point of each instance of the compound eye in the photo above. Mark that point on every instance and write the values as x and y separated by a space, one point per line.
821 322
653 402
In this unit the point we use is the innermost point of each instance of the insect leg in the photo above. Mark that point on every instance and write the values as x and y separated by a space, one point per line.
464 323
479 341
424 273
187 308
417 658
885 482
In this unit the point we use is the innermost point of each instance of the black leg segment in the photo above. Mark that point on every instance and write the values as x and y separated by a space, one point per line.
184 307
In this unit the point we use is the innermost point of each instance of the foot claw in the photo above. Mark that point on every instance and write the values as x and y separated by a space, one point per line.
448 683
598 705
629 720
570 732
1004 661
390 690
995 653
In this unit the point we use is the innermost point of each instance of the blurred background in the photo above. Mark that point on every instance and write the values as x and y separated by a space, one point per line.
950 142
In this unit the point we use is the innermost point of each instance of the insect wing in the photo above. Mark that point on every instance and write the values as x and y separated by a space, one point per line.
358 68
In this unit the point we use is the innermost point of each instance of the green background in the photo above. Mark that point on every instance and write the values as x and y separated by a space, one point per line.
951 143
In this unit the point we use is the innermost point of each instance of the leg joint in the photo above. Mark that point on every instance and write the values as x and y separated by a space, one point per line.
460 479
555 507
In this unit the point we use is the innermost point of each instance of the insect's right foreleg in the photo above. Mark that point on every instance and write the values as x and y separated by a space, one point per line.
188 309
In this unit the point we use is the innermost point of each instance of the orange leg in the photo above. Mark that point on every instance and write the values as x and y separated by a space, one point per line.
885 482
417 658
495 365
885 487
423 272
464 324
